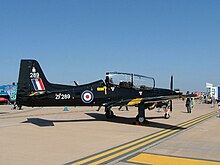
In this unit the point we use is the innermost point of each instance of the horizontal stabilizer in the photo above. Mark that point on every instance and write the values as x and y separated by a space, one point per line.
189 95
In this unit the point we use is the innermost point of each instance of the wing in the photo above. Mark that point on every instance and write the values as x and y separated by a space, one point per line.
136 101
145 100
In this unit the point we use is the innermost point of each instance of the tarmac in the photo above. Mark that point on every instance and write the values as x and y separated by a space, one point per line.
82 135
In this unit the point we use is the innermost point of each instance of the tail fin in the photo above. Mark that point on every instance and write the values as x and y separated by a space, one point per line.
32 82
31 78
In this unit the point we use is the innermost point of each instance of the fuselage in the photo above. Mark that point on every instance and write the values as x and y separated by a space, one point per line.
93 94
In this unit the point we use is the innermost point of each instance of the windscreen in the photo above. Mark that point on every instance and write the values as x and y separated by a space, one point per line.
143 82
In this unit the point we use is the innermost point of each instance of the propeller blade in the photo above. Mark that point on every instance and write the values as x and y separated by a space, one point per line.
171 88
171 83
171 105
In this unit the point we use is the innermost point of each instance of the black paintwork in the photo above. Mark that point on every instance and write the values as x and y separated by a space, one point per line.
118 96
103 92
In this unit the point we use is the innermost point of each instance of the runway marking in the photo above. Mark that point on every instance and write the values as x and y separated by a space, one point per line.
128 148
144 158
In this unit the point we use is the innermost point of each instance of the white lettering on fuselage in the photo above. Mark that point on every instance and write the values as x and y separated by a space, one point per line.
61 96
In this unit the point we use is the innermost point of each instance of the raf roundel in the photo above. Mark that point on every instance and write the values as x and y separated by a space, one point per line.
87 96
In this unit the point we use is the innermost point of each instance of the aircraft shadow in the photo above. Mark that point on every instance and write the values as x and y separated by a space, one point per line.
3 113
131 121
101 117
45 123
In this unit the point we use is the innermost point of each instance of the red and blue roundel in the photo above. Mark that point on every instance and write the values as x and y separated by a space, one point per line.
87 96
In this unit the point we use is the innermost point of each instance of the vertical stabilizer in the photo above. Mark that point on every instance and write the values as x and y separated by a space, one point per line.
31 79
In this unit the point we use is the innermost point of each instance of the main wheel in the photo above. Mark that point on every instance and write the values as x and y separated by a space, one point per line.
19 107
109 114
140 120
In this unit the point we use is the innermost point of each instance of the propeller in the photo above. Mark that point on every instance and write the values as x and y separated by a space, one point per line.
171 88
171 83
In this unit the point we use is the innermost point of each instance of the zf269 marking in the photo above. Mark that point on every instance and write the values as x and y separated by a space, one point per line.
61 96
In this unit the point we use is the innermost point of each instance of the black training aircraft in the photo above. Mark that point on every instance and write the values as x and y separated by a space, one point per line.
118 89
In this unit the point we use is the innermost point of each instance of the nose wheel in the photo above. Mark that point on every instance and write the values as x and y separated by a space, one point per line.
166 115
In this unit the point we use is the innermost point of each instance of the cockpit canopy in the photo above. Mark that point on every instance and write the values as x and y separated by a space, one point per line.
129 80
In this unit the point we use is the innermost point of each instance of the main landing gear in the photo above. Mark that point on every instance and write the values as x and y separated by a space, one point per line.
109 113
140 118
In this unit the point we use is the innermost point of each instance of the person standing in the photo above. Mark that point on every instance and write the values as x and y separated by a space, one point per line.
213 101
218 109
188 104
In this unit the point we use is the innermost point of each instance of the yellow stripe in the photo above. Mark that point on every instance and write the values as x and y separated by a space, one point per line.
100 89
152 137
32 94
165 160
135 101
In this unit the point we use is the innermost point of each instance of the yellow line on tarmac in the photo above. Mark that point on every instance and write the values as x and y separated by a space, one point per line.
197 120
165 160
119 148
143 141
152 140
133 148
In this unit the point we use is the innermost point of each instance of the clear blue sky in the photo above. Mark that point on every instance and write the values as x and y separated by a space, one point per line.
82 39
